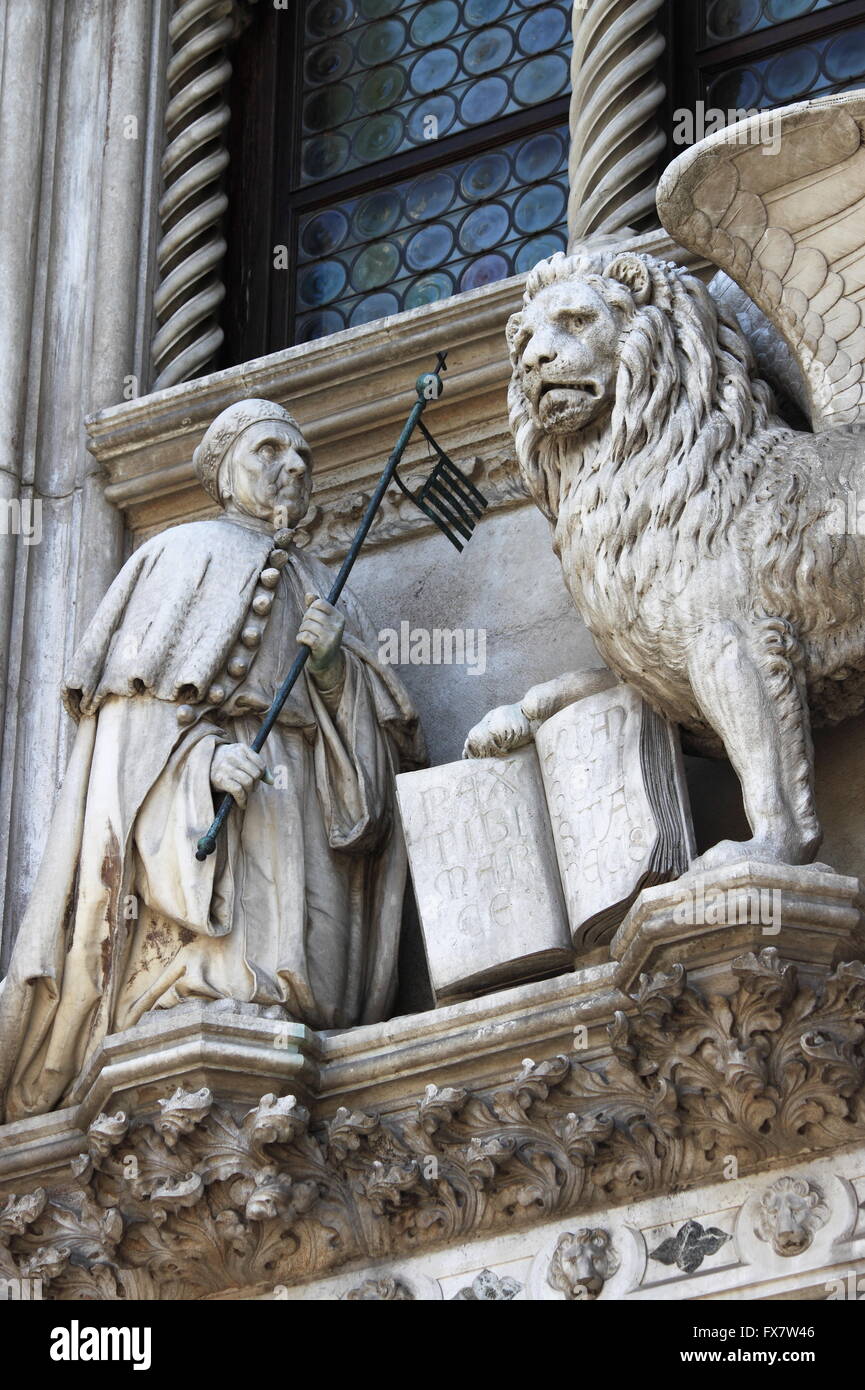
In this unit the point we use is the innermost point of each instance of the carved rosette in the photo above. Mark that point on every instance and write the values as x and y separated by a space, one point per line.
191 249
201 1198
615 137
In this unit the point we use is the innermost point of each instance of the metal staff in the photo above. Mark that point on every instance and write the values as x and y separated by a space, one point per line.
448 498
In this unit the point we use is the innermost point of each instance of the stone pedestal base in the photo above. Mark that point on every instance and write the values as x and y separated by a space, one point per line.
538 1133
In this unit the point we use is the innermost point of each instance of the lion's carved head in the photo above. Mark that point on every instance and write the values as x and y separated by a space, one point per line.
629 355
564 344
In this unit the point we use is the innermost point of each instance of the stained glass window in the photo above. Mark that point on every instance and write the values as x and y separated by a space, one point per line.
419 240
740 55
417 149
731 19
829 64
380 76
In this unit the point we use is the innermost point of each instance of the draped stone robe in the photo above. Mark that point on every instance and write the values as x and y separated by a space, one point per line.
299 907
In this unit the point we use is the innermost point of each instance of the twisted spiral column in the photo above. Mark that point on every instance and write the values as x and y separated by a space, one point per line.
191 248
615 136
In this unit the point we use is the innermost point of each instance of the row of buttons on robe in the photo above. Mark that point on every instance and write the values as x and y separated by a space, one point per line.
251 634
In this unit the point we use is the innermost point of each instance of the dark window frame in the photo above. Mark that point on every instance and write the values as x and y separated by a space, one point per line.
692 63
259 310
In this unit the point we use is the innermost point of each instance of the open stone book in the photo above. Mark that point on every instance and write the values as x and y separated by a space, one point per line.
520 862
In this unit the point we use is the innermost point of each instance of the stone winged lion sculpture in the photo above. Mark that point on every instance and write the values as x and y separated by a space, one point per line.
705 542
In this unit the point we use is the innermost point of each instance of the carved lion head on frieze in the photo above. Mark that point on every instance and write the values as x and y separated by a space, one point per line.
791 1211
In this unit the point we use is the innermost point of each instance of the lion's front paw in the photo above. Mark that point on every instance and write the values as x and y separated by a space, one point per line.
499 733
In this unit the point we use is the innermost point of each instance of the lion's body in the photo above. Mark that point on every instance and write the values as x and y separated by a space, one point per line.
713 552
644 588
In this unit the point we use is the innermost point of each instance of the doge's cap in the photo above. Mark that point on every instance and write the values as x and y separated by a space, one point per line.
223 431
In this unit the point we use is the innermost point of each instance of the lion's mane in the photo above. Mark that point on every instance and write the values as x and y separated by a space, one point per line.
676 450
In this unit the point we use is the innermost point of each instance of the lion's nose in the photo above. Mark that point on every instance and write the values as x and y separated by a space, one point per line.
538 352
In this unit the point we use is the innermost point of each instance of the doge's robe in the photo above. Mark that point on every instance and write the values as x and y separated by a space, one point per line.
300 905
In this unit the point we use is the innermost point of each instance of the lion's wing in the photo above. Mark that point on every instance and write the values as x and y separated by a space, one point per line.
789 228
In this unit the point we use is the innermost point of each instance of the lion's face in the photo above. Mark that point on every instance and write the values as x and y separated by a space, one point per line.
564 348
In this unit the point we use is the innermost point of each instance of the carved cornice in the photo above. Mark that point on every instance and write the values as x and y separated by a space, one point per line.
199 1198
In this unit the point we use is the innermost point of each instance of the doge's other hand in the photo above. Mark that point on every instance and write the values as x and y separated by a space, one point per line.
321 630
236 769
499 733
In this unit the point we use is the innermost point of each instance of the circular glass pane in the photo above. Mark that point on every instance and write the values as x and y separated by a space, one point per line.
484 11
429 247
376 265
327 17
845 56
429 289
431 118
484 228
328 63
542 30
317 325
780 10
381 89
324 233
484 100
434 22
539 208
792 73
539 157
484 271
737 89
377 214
377 137
728 18
487 51
329 107
429 196
540 79
375 306
321 283
434 70
381 42
377 9
324 155
538 249
485 177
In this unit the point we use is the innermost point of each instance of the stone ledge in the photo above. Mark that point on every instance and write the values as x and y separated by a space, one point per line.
477 1042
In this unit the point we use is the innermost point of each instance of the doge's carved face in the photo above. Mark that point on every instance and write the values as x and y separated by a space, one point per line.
564 347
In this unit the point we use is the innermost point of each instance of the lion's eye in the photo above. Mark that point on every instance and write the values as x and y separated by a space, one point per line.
578 320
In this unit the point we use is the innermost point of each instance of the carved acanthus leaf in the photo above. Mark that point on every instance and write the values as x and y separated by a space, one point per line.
202 1199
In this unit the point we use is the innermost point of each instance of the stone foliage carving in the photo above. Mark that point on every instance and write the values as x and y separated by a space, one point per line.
791 1211
196 1200
581 1263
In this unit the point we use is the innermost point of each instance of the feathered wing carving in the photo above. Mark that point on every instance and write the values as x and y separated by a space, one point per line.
789 228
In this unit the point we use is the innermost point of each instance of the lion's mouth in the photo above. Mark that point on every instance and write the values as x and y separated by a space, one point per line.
567 389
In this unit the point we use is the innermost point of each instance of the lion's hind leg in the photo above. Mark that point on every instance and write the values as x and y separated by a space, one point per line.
748 686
